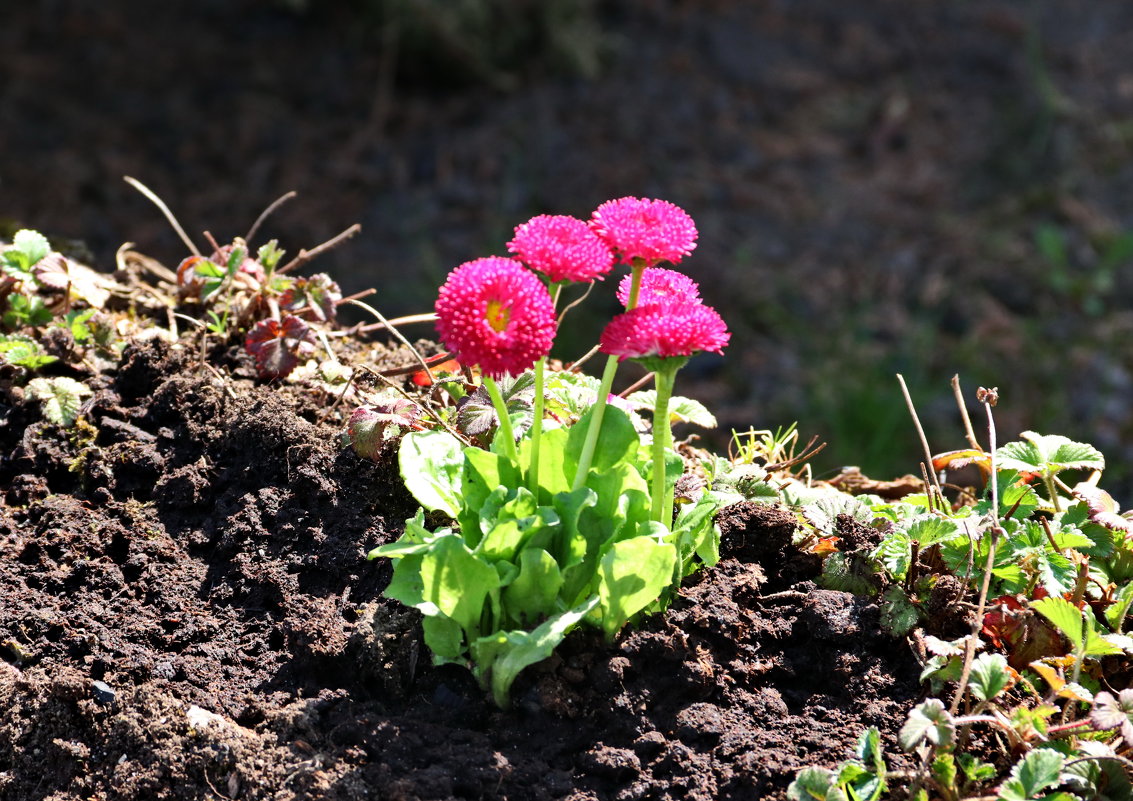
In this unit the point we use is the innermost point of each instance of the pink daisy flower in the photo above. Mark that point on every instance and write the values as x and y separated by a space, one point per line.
494 313
658 285
562 248
666 329
649 230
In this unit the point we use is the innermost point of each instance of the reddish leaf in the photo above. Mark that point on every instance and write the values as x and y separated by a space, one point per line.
278 348
1103 509
370 427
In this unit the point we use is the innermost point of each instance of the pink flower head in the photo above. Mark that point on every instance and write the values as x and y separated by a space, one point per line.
649 230
665 329
562 248
658 285
494 313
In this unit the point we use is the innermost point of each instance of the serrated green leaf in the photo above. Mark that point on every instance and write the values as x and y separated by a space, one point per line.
931 529
31 246
1037 771
847 573
681 409
898 614
974 769
62 398
944 769
989 676
811 784
927 722
1050 453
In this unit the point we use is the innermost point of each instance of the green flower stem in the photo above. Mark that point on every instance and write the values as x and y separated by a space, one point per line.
536 429
537 424
662 442
591 441
505 419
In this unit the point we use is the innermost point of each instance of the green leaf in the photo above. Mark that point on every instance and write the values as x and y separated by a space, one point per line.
532 594
974 769
1037 771
847 573
811 784
553 477
501 656
894 553
1049 453
930 722
632 574
869 751
617 440
898 614
445 638
26 310
1115 612
28 248
989 676
23 352
681 410
457 581
431 463
931 529
1064 616
62 398
944 769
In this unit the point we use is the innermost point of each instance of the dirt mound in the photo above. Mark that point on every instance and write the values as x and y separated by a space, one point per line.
189 613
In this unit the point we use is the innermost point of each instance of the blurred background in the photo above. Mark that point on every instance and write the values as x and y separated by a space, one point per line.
914 186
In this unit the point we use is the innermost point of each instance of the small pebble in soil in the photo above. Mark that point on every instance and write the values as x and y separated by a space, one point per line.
103 692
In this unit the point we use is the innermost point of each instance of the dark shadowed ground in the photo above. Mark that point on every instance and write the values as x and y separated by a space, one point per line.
869 178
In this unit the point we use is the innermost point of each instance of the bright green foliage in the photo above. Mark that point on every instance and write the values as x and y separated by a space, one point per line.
62 398
681 410
929 722
28 249
858 779
1037 772
23 352
1080 627
989 677
1048 454
520 569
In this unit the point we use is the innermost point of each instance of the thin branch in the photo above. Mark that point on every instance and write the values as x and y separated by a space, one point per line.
279 201
145 190
575 302
574 367
306 255
425 317
924 440
988 398
398 335
638 384
968 432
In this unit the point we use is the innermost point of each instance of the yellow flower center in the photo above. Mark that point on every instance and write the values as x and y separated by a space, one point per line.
498 315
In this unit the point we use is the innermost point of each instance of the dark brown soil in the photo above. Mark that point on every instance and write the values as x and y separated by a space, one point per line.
188 613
